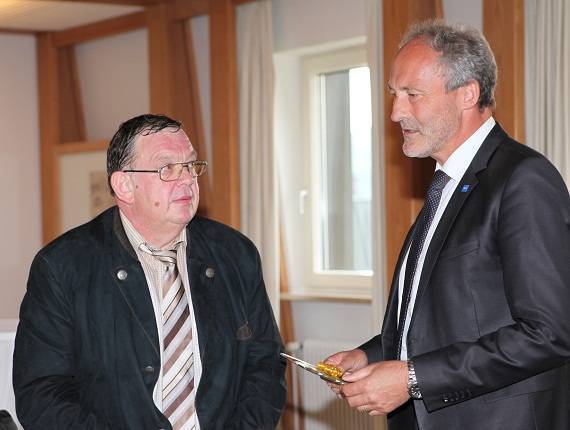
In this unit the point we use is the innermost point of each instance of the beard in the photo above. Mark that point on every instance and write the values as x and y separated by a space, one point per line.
427 140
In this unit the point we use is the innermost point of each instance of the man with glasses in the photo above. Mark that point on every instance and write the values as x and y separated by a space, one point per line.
148 317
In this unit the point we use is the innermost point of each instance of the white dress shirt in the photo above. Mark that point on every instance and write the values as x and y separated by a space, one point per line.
455 168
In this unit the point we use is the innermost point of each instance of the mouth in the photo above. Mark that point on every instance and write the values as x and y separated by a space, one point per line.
183 199
409 132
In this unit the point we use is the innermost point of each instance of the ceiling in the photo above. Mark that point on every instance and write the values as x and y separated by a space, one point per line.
49 15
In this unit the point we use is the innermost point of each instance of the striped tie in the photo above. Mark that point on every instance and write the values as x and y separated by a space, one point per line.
178 359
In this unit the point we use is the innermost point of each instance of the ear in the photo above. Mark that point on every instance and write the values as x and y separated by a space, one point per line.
469 95
122 185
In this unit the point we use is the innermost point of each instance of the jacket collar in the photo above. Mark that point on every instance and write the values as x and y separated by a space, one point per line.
202 272
470 178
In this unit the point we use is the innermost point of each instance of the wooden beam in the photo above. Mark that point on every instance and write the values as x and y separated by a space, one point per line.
19 31
190 102
186 9
186 96
108 27
49 115
174 80
503 25
120 2
161 69
226 204
240 2
406 179
72 121
287 330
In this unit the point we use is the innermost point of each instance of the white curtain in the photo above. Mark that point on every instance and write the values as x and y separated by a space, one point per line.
375 54
257 166
374 42
547 81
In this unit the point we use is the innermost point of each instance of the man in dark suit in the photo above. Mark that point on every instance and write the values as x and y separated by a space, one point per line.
148 317
476 333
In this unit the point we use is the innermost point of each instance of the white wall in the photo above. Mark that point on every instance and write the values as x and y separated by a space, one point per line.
300 23
20 221
113 77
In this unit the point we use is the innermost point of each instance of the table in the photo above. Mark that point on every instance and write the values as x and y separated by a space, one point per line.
7 336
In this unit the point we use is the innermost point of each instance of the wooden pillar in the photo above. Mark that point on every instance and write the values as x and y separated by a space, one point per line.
160 59
49 116
174 80
503 25
72 128
406 179
225 203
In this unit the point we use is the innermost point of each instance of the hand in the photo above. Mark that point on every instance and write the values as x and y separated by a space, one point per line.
378 388
348 361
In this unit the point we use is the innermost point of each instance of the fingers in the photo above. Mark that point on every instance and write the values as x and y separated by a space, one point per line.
369 410
348 360
357 375
335 388
335 358
358 401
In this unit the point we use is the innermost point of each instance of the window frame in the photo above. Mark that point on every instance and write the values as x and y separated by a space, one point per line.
349 283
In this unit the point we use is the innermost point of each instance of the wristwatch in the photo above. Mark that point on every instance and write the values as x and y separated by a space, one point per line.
413 387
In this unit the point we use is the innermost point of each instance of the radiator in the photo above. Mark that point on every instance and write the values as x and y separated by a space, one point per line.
319 408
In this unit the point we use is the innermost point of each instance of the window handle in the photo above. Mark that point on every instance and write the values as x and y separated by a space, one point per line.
303 196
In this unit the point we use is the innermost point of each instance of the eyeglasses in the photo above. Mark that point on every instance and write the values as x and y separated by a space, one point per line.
173 171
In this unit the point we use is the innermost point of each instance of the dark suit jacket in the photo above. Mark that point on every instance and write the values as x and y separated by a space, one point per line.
490 331
87 349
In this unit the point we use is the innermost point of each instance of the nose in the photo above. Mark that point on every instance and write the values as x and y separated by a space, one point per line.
399 108
186 177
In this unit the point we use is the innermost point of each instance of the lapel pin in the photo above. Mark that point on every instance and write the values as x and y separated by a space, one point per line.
465 188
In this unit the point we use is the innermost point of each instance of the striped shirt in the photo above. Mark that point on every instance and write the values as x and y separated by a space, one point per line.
154 270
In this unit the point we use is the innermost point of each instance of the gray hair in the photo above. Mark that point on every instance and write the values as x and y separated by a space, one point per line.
465 56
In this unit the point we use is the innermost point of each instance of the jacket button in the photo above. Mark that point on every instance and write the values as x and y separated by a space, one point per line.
122 275
149 369
210 272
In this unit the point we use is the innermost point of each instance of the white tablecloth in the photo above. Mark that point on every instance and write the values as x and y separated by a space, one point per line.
7 335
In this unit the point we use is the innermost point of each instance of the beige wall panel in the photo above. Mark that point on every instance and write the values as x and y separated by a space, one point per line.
20 222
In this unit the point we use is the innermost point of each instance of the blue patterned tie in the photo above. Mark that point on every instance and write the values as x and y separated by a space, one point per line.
423 224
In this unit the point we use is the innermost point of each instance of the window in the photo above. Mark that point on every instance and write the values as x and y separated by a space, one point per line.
339 186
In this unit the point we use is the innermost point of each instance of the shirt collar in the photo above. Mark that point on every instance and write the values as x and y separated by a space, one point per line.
461 158
137 240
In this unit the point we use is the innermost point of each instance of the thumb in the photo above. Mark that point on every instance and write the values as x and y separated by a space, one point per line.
357 375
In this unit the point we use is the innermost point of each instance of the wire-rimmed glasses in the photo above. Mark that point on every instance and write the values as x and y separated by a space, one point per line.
173 171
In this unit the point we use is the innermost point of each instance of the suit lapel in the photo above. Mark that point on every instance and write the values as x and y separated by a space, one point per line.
129 278
207 294
203 300
470 178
